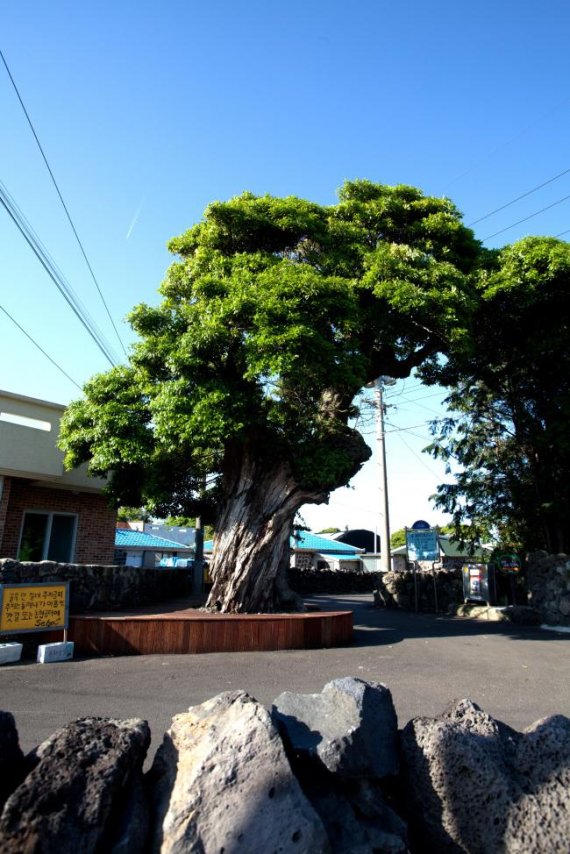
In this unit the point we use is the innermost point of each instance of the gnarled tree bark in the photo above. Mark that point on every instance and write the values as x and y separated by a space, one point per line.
252 549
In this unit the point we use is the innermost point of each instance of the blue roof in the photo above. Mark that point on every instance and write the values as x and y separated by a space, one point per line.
309 542
127 539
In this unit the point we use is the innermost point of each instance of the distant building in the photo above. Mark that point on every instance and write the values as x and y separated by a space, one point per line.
47 512
311 551
182 534
451 555
361 538
137 548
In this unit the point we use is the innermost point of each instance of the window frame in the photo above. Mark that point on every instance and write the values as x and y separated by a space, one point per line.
47 536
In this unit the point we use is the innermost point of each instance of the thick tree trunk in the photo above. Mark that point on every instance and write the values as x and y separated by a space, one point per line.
252 539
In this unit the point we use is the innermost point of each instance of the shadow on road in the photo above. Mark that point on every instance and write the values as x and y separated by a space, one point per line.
380 626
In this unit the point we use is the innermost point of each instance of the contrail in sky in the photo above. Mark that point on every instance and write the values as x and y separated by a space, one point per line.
134 219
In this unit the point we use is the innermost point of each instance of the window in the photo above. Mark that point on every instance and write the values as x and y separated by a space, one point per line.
47 536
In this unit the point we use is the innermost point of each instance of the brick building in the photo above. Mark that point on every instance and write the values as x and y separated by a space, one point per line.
47 513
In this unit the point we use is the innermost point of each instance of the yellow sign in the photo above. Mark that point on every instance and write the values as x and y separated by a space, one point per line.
33 607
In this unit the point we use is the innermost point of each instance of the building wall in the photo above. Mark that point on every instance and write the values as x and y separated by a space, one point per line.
303 560
29 429
95 540
5 486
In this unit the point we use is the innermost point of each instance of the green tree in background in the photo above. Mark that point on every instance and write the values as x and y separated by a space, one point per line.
236 401
510 400
133 514
398 538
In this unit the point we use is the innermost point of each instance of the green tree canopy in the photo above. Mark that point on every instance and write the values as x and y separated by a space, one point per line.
398 538
508 432
133 514
236 401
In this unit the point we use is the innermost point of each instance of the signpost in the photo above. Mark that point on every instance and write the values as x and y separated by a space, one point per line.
33 607
422 544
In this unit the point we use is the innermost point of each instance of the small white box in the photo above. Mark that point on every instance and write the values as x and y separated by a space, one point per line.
10 652
48 652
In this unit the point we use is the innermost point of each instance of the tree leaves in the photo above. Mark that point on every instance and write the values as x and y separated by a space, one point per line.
276 313
511 399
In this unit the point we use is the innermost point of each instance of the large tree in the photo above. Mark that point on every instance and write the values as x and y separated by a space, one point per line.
237 399
507 435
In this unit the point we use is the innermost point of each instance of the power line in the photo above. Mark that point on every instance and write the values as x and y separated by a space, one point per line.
562 232
427 468
54 273
402 429
406 407
423 397
80 244
526 218
35 343
518 198
537 120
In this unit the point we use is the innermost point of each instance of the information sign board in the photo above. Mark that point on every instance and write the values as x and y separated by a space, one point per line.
509 563
422 544
33 607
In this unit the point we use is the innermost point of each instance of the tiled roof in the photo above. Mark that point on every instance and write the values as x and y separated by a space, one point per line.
309 542
451 548
127 539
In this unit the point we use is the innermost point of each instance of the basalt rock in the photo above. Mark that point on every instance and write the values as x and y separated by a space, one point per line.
226 779
12 765
75 797
221 782
351 727
343 743
476 785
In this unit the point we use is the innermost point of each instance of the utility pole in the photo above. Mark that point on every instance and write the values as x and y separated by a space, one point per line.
385 562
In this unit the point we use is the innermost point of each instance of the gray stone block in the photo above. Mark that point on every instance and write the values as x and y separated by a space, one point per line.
221 782
350 727
352 832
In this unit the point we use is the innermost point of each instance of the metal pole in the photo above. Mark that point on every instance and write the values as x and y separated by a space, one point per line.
384 517
434 586
416 585
198 571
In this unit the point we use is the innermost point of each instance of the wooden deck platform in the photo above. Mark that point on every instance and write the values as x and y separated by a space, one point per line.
182 630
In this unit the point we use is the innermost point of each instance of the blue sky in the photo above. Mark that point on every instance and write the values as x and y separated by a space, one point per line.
148 111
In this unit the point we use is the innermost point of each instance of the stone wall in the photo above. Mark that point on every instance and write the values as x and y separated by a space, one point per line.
397 590
549 587
327 772
101 588
327 581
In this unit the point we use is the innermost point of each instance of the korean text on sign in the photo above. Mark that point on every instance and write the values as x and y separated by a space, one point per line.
33 607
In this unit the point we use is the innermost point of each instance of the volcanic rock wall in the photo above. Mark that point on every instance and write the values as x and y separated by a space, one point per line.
326 772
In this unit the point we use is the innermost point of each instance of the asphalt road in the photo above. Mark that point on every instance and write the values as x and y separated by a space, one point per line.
517 674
